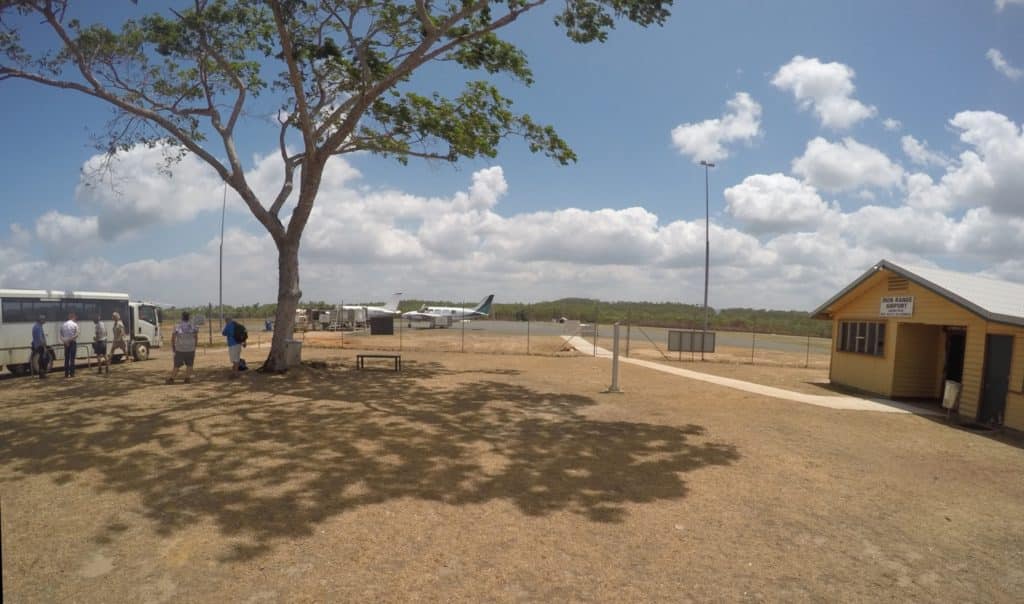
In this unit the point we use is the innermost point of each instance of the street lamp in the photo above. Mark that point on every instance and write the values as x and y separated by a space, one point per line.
220 279
707 252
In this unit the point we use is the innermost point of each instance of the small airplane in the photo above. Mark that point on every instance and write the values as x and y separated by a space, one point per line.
435 314
388 310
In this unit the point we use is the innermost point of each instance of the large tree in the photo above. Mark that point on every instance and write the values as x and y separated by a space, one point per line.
340 74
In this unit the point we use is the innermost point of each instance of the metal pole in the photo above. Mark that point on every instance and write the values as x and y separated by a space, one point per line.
753 340
220 296
615 359
209 321
807 361
463 329
527 329
629 328
707 249
595 326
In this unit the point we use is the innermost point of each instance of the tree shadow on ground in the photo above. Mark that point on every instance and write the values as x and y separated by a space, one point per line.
269 457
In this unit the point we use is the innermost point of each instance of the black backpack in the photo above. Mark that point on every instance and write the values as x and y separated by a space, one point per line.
241 333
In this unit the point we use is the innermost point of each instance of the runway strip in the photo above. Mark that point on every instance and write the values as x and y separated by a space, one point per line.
852 403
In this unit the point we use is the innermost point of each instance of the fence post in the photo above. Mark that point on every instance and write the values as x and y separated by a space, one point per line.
753 339
463 345
807 360
527 330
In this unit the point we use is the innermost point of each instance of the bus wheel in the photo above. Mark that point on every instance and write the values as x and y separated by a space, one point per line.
19 369
141 351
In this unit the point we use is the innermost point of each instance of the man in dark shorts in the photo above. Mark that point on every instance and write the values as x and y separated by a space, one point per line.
183 343
99 345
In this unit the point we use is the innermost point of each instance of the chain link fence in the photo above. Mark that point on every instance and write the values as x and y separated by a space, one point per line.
518 332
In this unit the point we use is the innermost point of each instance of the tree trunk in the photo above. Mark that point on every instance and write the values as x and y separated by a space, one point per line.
288 295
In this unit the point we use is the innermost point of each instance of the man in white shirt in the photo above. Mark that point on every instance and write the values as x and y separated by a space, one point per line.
69 338
183 343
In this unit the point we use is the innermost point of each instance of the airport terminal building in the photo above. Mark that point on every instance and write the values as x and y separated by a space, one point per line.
901 332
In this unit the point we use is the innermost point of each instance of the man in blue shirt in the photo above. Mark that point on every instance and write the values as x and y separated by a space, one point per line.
39 349
234 346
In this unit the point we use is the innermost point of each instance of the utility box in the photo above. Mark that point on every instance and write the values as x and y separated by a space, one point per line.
680 340
382 326
293 353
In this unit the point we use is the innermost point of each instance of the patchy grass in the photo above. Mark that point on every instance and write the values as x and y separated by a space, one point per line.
499 477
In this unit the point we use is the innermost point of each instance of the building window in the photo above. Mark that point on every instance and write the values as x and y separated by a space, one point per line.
864 337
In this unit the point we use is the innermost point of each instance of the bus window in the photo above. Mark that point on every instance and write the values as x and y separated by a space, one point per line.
12 312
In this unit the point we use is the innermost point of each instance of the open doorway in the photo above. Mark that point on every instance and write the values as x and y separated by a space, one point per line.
956 344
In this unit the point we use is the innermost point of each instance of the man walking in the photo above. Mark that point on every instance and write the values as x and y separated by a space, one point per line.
120 337
69 338
234 346
99 345
39 349
183 343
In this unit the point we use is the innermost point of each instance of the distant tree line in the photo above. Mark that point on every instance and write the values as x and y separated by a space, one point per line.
654 314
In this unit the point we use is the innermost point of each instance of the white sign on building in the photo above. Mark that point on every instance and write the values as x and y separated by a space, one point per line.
897 306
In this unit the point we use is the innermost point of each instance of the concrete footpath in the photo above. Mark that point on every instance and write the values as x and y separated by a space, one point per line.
852 403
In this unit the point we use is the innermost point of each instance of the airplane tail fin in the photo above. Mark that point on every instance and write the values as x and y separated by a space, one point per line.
484 307
392 304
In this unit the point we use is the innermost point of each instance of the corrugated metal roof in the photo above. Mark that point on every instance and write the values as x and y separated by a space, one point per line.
992 299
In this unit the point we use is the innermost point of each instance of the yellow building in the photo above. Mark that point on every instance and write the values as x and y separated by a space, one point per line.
901 332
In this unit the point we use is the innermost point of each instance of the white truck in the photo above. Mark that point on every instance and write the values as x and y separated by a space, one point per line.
20 308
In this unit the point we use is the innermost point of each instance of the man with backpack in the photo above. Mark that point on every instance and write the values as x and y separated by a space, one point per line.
236 334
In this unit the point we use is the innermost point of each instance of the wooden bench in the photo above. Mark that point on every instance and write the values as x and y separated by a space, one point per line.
361 359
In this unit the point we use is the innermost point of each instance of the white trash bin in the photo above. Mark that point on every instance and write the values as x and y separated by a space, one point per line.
951 395
293 353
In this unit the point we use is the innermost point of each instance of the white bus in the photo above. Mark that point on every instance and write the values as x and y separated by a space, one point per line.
19 309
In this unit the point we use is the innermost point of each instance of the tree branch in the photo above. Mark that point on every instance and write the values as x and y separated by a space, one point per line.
294 76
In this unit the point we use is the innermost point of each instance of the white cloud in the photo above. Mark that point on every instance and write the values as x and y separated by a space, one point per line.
1003 66
67 236
845 165
363 242
20 237
133 193
892 125
1001 4
769 203
992 173
705 140
923 193
884 227
827 88
920 154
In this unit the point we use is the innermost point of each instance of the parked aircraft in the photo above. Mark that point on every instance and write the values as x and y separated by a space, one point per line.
388 310
435 314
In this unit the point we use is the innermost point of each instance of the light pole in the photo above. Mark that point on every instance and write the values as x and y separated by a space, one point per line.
220 296
707 252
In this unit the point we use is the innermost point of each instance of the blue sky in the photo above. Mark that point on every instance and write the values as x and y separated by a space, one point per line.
793 219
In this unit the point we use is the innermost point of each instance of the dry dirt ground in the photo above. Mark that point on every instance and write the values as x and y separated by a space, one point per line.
489 477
